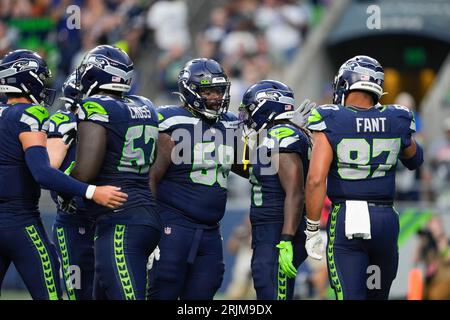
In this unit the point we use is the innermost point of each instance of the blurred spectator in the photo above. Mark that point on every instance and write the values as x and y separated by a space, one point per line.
244 74
169 65
169 19
434 252
7 37
239 244
439 155
216 30
286 18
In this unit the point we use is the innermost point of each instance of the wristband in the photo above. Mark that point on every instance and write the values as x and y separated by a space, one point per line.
312 225
286 237
90 191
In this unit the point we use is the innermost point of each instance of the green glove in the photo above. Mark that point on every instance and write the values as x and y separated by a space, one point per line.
285 258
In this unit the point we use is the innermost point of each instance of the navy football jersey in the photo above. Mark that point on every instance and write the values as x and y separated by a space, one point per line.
132 132
197 186
267 203
19 192
61 123
366 145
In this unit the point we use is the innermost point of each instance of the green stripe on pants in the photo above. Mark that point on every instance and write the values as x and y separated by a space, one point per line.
336 284
121 264
282 284
65 262
45 262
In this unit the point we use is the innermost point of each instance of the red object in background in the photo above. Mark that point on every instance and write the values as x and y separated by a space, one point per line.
326 209
415 284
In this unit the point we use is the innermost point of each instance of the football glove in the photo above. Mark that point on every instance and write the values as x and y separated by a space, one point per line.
285 258
314 244
302 113
67 205
70 136
155 255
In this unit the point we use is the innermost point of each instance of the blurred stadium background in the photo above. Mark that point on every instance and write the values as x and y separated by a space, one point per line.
300 42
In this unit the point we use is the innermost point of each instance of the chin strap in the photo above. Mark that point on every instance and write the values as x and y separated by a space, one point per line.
245 161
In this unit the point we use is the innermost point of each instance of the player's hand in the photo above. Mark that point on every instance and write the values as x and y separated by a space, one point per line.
155 255
314 244
69 137
285 258
67 205
109 196
302 113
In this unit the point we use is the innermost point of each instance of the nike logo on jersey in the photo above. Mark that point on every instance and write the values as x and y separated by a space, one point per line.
370 124
59 118
38 112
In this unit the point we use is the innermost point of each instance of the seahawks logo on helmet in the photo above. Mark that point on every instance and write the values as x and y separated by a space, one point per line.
268 95
106 64
25 65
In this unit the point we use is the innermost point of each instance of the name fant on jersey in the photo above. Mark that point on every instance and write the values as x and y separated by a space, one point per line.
371 124
140 112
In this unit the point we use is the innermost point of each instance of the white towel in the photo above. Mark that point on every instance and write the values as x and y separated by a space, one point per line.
357 220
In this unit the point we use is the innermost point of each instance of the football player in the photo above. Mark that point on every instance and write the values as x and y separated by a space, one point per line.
277 174
24 166
357 143
117 136
73 232
192 190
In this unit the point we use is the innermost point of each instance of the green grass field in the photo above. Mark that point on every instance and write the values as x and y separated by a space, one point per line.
15 295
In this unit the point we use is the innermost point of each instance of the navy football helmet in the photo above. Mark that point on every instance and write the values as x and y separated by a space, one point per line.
359 73
105 68
71 93
204 75
264 102
24 72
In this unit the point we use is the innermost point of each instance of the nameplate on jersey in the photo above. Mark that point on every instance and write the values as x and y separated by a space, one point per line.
140 112
357 220
371 124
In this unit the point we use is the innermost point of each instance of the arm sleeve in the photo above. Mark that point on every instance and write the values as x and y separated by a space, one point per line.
38 162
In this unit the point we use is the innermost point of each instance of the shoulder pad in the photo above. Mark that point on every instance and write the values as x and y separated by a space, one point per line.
405 114
141 99
95 108
61 122
230 120
171 116
316 120
36 117
285 135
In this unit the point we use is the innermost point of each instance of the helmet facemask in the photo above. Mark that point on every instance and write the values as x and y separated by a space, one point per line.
197 98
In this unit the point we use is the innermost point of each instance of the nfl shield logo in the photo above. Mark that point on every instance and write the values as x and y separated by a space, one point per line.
115 79
81 230
167 230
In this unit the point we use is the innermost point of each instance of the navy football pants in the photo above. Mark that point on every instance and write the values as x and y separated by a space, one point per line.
363 269
121 254
269 281
191 264
75 247
34 257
